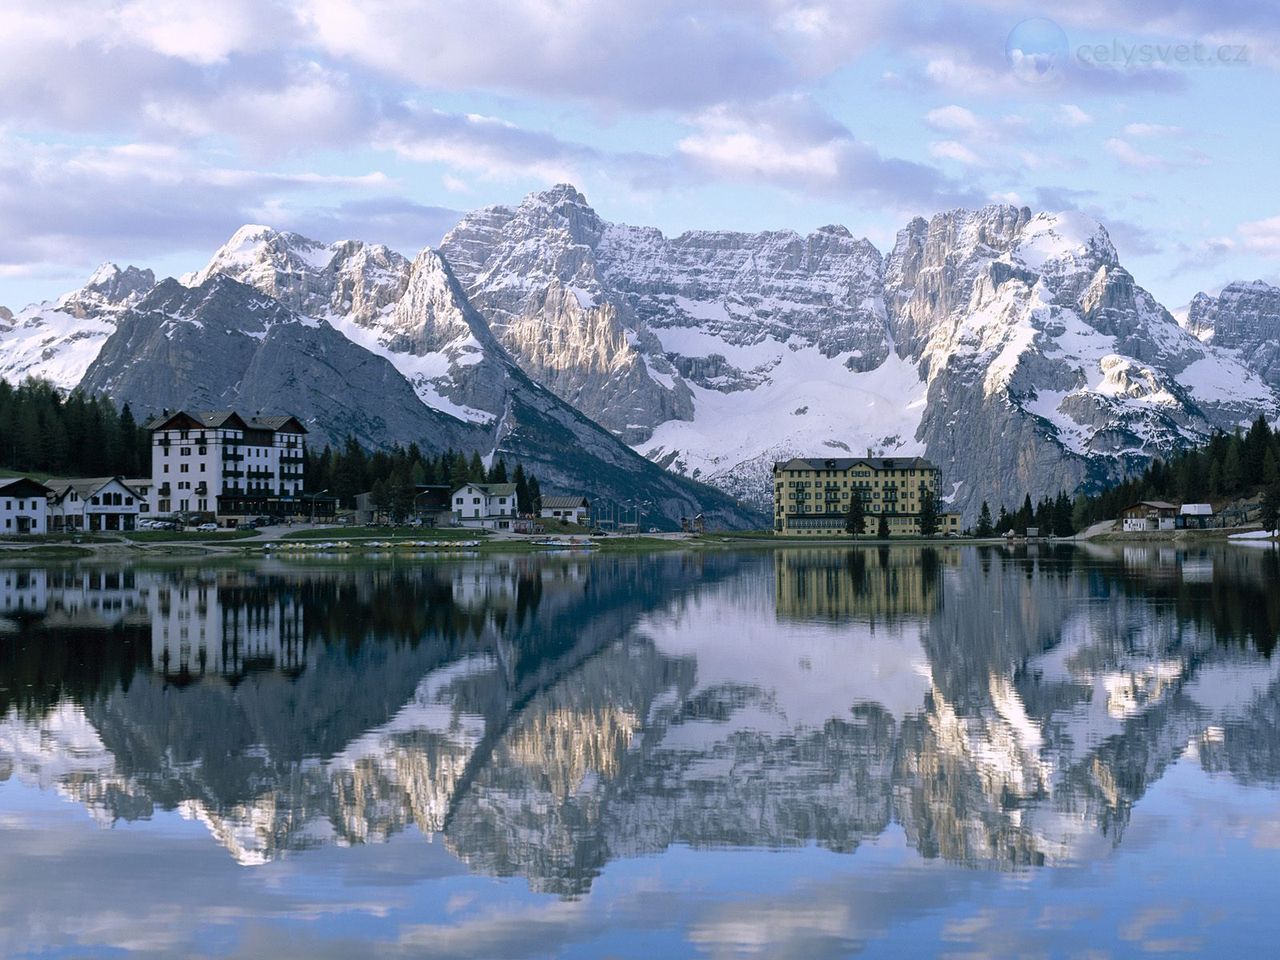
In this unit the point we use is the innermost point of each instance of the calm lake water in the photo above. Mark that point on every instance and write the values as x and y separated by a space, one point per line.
801 753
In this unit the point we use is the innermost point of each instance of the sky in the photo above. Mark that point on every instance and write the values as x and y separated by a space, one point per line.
145 132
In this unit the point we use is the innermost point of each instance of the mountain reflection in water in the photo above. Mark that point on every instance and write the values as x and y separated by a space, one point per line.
547 715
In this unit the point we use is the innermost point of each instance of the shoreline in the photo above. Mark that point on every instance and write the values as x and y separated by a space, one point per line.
309 542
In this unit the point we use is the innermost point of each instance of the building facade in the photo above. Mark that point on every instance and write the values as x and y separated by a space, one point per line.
1149 515
568 509
220 463
811 496
487 506
24 507
93 504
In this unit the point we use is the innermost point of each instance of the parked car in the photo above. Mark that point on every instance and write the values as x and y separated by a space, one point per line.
208 528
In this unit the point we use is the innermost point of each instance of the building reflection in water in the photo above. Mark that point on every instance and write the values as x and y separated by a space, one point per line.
837 584
544 715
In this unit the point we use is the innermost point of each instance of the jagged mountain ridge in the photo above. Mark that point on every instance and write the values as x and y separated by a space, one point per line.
418 365
1244 318
1011 348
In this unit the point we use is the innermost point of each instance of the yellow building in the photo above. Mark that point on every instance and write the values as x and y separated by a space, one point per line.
811 496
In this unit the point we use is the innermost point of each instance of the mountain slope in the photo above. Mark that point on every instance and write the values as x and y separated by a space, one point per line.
1243 318
1011 348
423 368
57 340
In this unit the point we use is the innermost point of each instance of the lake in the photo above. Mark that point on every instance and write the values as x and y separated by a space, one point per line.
809 753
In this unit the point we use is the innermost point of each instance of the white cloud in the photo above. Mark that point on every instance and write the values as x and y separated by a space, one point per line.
207 32
953 150
1151 130
1130 156
789 142
1261 236
1073 116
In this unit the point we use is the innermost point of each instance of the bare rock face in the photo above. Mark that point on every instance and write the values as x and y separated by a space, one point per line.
1244 318
423 368
1010 347
57 340
1048 367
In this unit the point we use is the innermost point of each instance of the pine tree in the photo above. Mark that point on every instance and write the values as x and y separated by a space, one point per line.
882 530
381 496
1063 522
928 514
984 528
535 496
1271 508
855 521
1270 468
476 471
1233 475
459 474
522 491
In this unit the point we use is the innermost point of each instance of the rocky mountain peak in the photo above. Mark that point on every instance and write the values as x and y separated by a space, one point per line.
1244 317
108 290
562 207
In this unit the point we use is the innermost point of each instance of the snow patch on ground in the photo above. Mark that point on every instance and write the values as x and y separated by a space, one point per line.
851 411
426 373
52 345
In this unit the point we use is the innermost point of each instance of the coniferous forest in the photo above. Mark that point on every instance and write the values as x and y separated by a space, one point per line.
44 431
1229 466
392 474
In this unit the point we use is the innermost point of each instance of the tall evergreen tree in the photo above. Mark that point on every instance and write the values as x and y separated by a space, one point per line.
855 521
928 514
522 491
984 528
882 529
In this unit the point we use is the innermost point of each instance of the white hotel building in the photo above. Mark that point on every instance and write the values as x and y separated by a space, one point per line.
221 463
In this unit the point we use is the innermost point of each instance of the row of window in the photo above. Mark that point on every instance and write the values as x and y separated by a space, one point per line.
856 473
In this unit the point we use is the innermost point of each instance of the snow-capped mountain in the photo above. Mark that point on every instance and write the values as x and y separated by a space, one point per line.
1011 348
1245 319
57 340
355 340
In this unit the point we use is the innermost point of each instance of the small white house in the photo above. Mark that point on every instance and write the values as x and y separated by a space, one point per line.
486 506
93 504
1195 516
568 509
1149 515
24 507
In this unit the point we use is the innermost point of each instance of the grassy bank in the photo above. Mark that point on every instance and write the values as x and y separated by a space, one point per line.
352 534
187 536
